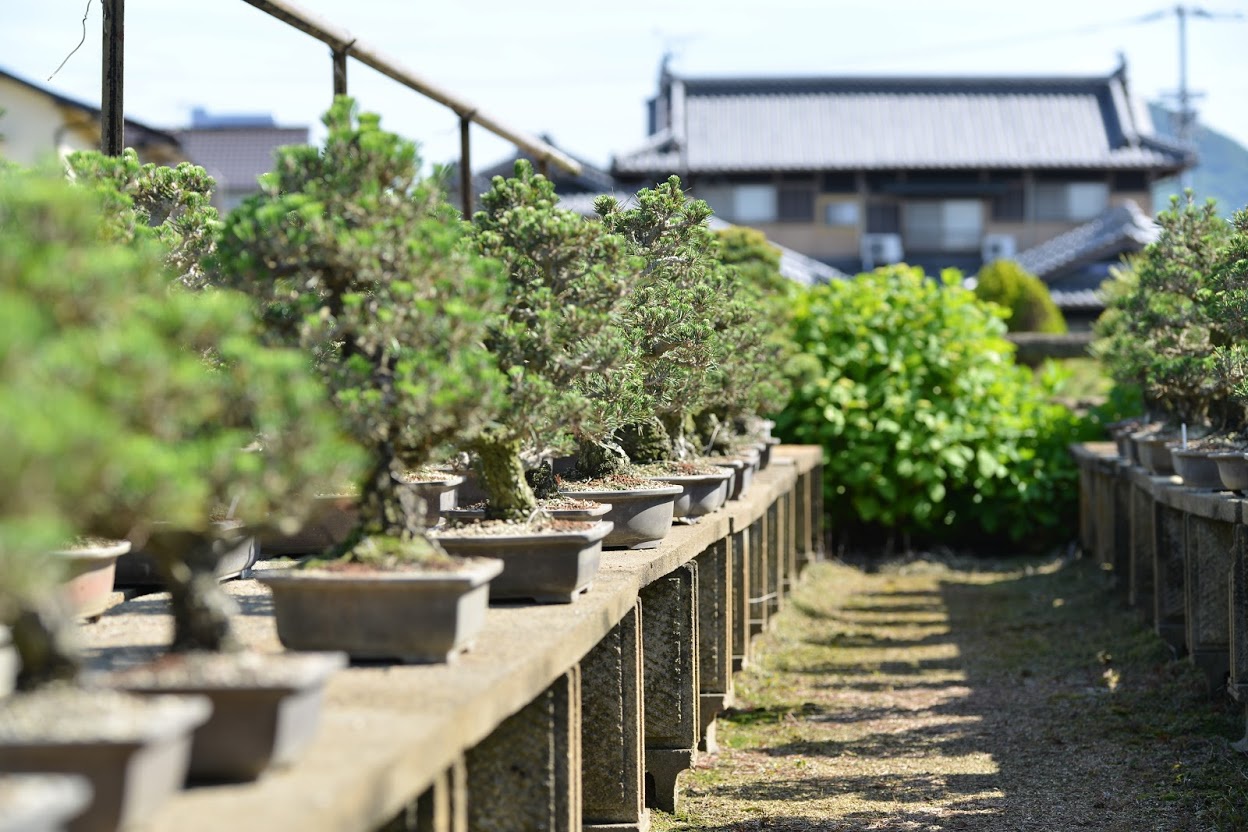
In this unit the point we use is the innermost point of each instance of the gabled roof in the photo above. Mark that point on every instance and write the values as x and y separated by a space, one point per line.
1122 228
725 125
138 134
793 265
235 156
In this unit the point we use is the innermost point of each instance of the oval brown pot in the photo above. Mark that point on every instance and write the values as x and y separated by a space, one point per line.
416 617
90 572
552 567
1232 469
641 518
1196 468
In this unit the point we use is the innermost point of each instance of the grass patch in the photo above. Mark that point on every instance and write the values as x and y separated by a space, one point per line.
968 694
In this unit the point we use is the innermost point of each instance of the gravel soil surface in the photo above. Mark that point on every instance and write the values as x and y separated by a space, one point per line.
942 693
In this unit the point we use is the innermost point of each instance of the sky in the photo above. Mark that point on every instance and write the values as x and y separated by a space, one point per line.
581 71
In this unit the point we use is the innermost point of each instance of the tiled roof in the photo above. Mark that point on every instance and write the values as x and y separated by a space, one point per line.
1089 299
758 124
1120 229
793 265
235 156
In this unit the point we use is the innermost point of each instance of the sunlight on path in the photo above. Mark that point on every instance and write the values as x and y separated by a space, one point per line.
973 695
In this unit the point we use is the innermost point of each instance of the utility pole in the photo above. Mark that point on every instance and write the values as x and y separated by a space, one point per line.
112 107
1185 118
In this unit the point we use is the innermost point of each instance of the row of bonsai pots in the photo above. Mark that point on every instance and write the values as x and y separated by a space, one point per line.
207 384
1208 467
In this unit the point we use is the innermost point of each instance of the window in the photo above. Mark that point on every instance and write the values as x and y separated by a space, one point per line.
754 203
1011 204
883 218
840 183
796 203
841 214
1066 201
943 225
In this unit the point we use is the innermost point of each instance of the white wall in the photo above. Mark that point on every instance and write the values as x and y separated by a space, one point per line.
33 129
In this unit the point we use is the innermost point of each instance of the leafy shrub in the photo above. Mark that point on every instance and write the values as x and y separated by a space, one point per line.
1031 308
926 422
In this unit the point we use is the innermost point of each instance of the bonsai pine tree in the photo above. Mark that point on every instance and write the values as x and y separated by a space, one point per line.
1228 307
113 420
172 204
555 340
360 262
671 314
750 343
1159 327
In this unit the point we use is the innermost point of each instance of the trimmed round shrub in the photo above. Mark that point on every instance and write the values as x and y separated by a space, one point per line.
1031 308
926 422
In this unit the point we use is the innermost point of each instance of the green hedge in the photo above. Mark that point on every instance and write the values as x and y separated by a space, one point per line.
927 423
1031 308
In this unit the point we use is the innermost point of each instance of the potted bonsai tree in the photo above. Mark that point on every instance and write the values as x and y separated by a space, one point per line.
554 340
264 398
86 349
1229 301
356 259
1161 329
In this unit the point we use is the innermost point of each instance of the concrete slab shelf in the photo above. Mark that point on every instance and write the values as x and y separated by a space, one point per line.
391 733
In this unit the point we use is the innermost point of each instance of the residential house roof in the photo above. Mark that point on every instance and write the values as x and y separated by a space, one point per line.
138 135
1073 264
793 265
236 155
727 125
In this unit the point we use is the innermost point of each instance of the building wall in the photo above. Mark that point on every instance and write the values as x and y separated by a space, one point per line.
34 128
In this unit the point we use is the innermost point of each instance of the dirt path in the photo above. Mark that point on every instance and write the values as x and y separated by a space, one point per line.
968 695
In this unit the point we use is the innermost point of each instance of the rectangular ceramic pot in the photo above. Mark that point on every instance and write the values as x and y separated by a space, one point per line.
138 569
416 617
703 493
130 778
254 724
8 662
546 567
640 518
41 802
1197 469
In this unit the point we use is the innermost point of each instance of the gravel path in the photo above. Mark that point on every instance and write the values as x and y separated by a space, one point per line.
947 694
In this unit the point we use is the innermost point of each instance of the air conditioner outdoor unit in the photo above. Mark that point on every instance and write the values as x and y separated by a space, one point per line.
880 250
998 247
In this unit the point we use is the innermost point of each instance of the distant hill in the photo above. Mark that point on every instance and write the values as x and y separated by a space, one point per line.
1222 172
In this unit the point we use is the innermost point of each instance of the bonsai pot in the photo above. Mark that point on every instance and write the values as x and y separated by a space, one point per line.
549 567
1154 452
265 707
703 493
588 514
1196 468
743 468
90 569
1232 469
420 615
640 518
41 802
132 750
8 662
439 495
236 554
764 451
330 520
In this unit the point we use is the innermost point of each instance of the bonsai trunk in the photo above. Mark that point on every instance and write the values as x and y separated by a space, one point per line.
387 509
508 494
201 610
647 442
45 636
600 459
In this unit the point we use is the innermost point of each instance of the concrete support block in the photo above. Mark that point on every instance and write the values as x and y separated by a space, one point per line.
1104 507
816 511
1210 550
1169 553
1237 599
673 708
527 774
775 559
1087 503
739 542
1141 580
788 545
1122 525
715 602
442 808
612 705
758 576
803 532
